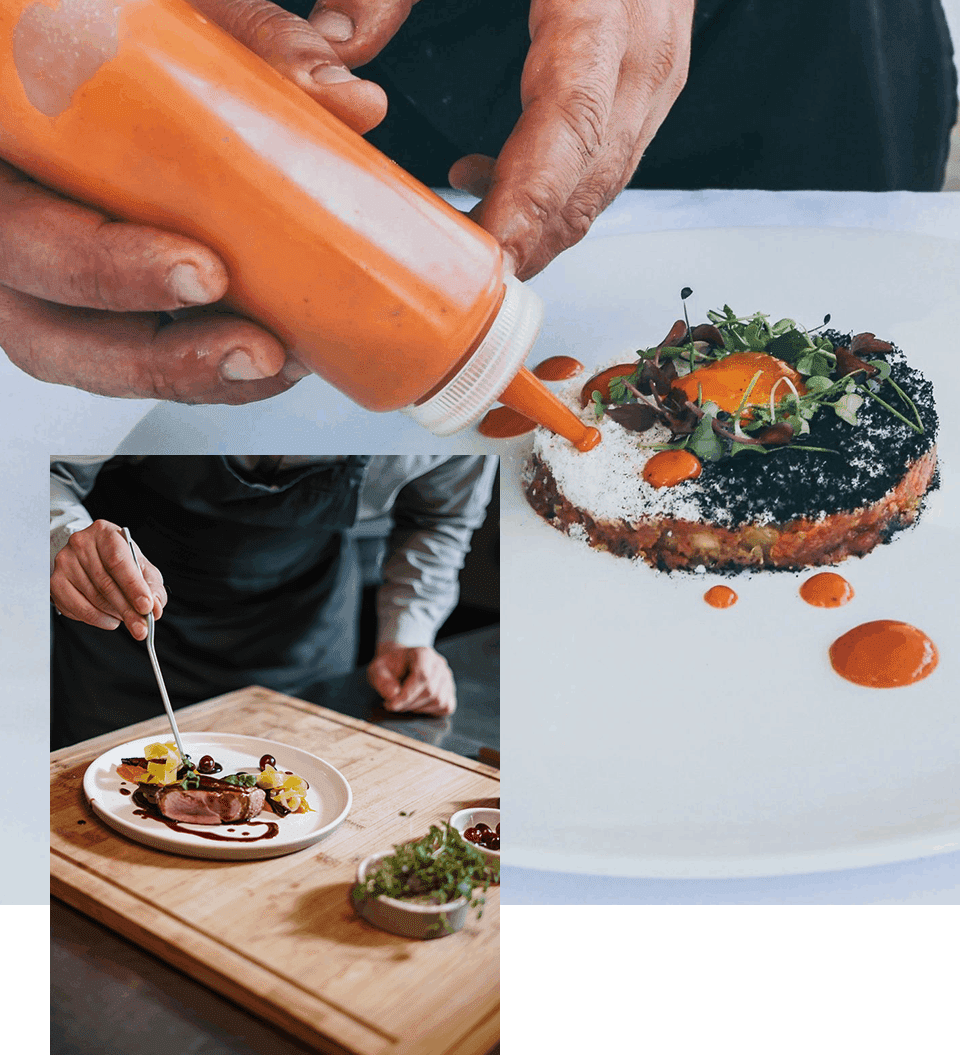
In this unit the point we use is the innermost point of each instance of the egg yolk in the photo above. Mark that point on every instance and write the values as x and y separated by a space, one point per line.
726 381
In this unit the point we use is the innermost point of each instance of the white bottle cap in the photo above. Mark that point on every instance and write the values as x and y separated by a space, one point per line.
491 367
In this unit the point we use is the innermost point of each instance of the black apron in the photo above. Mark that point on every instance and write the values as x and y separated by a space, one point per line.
263 583
811 95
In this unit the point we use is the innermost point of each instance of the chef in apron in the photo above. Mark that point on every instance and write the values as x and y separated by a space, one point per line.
252 565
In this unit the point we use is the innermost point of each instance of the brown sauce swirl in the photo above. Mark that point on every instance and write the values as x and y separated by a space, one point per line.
147 809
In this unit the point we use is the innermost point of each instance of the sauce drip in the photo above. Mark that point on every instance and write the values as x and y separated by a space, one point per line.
669 468
558 368
726 381
826 590
720 597
884 654
502 423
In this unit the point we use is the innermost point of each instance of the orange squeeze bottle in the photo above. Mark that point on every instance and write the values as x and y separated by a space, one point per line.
148 111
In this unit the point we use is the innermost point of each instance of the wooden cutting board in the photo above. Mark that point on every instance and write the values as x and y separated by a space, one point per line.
279 936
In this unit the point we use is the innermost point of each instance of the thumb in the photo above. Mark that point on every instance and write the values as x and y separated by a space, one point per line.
301 54
359 29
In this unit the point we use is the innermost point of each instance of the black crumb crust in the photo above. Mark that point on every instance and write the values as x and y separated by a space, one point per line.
787 484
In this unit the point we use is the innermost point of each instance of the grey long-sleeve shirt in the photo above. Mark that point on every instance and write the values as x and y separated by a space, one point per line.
430 505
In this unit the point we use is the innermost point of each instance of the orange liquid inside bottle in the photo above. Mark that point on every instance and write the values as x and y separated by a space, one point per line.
145 109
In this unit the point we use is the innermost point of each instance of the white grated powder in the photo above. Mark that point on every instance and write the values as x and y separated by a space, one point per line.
608 481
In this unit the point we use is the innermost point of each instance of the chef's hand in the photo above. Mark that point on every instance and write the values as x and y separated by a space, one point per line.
413 679
597 83
600 77
96 581
84 299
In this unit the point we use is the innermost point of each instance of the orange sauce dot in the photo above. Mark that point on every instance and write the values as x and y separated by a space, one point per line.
668 468
502 423
720 597
884 654
558 368
601 382
725 381
826 590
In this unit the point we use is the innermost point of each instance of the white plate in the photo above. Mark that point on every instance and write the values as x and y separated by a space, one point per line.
650 735
329 795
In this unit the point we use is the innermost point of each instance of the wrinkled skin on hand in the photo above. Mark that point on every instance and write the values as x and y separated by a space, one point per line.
84 300
413 679
600 77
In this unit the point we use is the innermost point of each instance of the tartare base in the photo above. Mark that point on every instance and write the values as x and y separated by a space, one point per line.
672 544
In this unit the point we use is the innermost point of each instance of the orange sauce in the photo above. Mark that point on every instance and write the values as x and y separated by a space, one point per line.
601 382
558 368
502 423
669 468
149 111
884 654
528 396
726 381
826 590
720 597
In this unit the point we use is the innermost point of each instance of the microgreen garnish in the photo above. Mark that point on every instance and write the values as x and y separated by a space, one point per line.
438 868
835 376
243 780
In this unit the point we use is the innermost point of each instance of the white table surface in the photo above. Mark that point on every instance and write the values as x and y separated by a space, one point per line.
930 880
41 419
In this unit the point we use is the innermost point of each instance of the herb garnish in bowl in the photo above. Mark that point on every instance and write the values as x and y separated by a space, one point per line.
424 888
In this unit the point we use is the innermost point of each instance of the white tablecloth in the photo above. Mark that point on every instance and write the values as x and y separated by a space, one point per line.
41 419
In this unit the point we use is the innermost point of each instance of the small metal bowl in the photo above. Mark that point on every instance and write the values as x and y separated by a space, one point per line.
406 918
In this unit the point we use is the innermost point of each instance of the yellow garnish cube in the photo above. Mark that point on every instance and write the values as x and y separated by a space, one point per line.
158 750
295 784
270 779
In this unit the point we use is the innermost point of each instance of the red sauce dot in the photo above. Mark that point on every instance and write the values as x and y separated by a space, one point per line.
884 654
826 590
558 368
502 423
720 597
669 468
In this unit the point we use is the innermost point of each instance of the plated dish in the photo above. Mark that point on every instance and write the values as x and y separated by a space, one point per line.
244 829
676 739
743 442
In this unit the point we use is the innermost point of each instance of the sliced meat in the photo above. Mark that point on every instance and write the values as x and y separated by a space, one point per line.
219 804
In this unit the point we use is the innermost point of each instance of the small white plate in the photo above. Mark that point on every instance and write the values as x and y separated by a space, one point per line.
329 795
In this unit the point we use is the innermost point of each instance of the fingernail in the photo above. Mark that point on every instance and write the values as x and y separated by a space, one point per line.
334 25
185 283
144 605
293 371
238 365
327 74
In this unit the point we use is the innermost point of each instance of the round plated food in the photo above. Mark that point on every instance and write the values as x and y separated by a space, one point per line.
743 443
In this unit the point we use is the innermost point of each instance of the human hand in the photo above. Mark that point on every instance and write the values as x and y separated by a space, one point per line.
84 299
96 581
413 679
598 80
